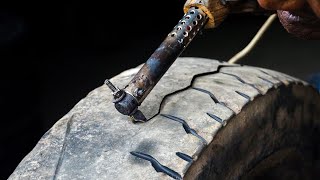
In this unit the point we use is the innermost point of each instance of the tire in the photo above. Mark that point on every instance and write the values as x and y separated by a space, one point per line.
208 120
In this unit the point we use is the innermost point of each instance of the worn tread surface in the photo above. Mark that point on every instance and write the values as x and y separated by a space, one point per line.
94 141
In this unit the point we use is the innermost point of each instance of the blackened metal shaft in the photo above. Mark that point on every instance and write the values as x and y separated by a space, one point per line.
160 61
163 57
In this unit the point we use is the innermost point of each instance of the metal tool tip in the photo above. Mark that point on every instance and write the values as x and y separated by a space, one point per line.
110 85
138 117
107 82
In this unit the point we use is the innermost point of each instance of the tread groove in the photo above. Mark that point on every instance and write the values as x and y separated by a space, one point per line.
243 95
217 118
186 127
213 98
209 93
184 156
63 149
266 80
242 81
272 76
156 165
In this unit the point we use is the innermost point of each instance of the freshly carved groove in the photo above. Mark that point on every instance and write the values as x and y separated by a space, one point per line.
156 165
209 93
213 98
186 127
184 156
243 95
264 72
235 76
266 80
242 81
217 119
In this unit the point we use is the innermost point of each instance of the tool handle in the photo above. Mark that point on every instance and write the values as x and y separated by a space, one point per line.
218 10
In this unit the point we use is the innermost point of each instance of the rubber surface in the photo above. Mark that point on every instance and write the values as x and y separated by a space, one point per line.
188 108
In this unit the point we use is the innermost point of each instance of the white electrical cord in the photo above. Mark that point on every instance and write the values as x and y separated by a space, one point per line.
254 41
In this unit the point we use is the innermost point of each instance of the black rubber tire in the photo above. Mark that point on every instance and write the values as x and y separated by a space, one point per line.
208 120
